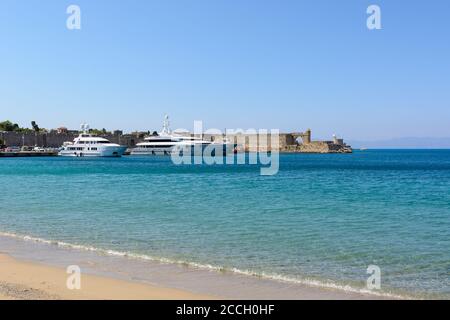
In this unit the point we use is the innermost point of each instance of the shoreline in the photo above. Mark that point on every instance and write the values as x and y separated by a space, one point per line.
154 280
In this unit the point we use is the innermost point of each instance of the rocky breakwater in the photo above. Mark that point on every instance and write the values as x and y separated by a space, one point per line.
337 145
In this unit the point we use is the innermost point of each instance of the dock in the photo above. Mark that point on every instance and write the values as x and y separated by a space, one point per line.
16 154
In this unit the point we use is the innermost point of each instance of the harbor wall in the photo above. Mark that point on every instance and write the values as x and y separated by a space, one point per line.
55 140
286 142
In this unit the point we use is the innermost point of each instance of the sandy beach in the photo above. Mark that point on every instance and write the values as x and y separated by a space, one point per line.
32 281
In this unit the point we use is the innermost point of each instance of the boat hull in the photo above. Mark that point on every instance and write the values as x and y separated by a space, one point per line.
106 151
199 150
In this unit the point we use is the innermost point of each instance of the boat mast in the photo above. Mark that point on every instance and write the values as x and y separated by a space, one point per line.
166 125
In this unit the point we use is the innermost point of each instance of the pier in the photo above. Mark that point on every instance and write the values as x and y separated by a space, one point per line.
17 154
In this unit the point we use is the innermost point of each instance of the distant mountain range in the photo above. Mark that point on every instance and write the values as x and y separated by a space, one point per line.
402 143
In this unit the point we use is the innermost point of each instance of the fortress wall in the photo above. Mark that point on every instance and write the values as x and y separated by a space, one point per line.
249 142
125 140
255 142
55 140
32 139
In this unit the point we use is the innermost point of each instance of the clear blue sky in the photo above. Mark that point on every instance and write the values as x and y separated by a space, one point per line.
233 64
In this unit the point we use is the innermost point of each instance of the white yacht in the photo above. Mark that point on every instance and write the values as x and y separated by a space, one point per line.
88 145
166 142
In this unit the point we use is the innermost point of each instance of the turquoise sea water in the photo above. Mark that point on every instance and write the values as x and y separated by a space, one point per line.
322 218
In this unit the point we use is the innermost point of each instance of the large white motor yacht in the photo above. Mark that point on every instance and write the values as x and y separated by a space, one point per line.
88 145
166 142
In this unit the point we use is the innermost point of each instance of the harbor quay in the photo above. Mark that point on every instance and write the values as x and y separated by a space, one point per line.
296 142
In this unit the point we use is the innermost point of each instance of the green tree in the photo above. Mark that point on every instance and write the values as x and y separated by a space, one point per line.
35 126
98 132
8 126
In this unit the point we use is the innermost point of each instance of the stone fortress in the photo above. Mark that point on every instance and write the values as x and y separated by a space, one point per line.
287 142
246 142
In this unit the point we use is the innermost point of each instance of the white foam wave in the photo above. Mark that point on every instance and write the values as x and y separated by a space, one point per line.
209 267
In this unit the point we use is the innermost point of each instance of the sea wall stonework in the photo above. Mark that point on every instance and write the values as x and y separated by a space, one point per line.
287 142
55 140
